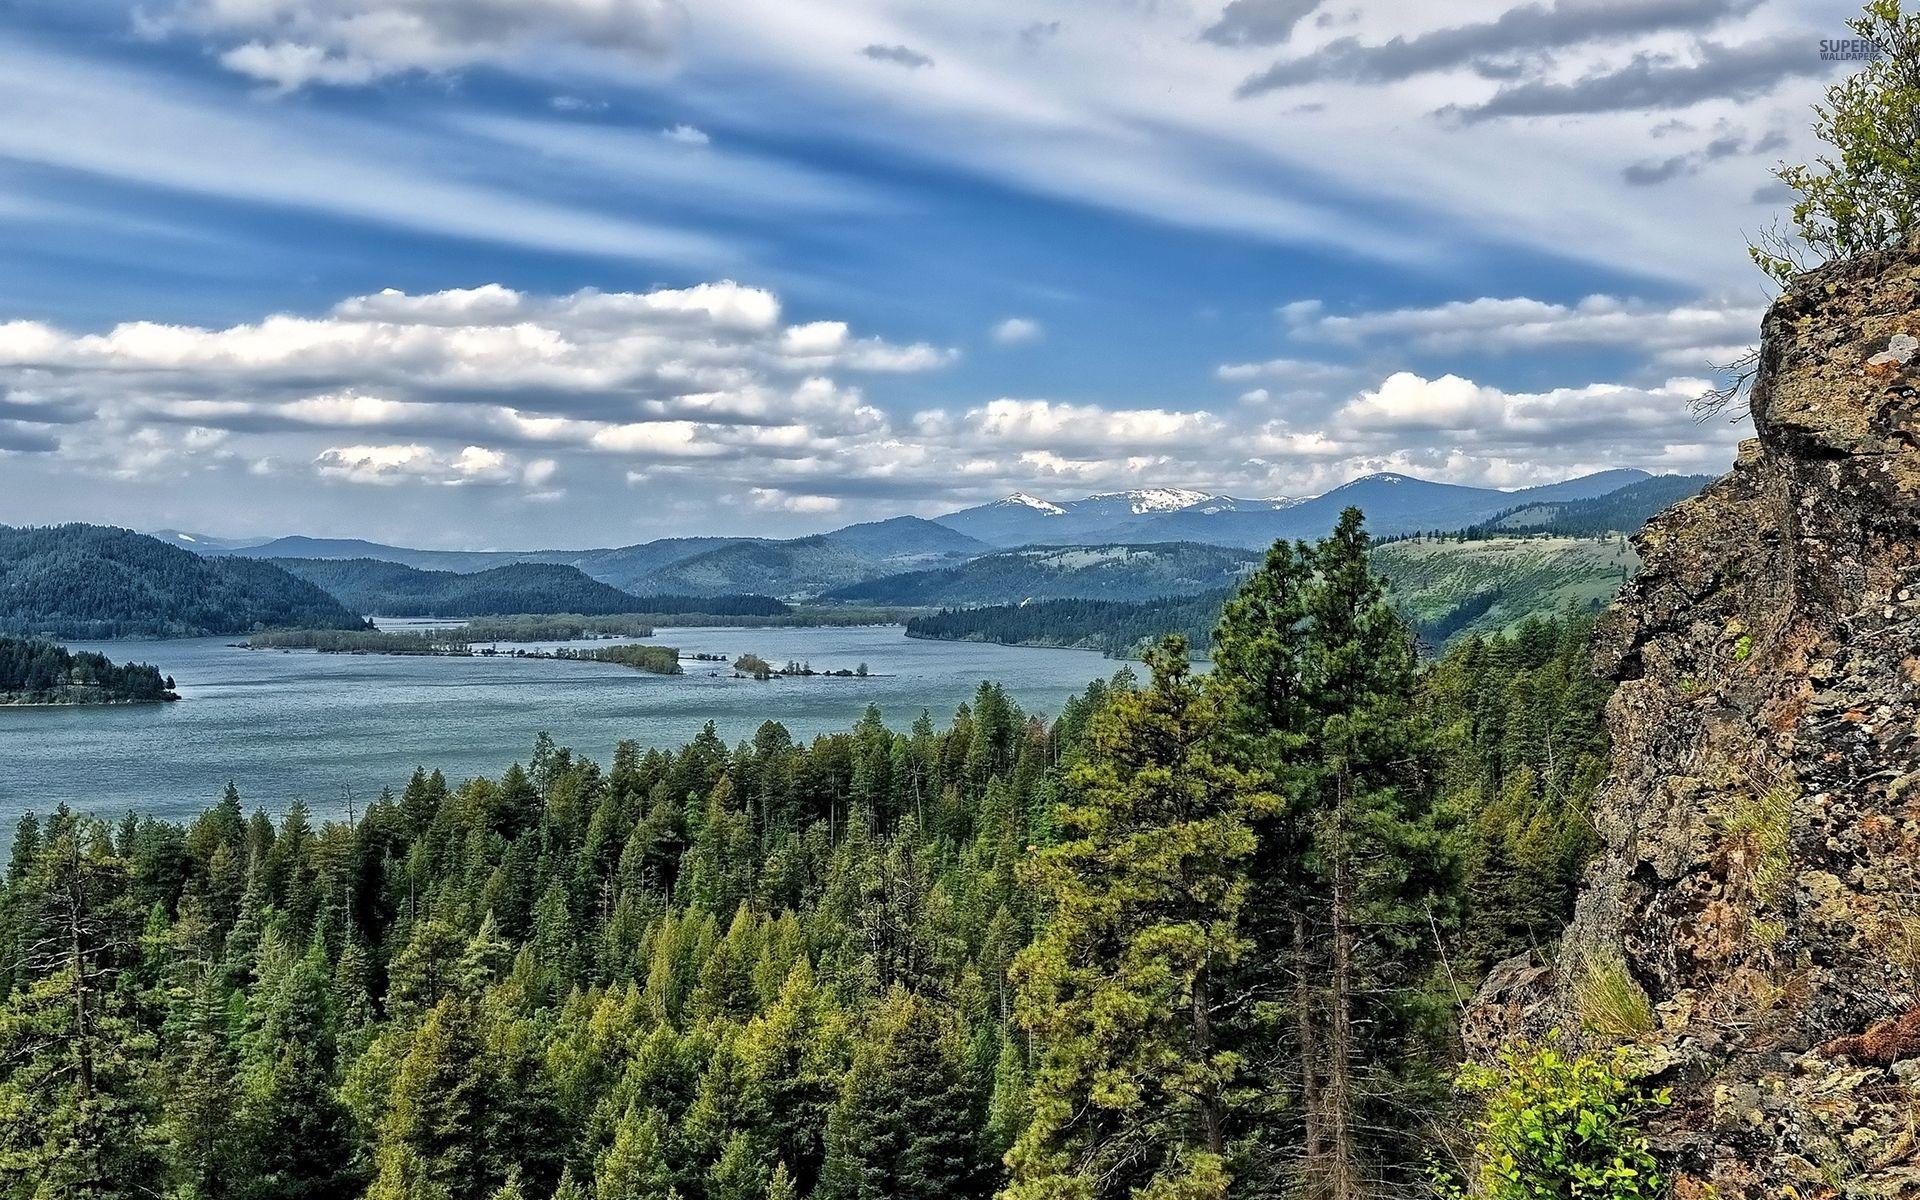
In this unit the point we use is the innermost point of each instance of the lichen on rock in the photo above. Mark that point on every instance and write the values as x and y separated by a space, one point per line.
1759 879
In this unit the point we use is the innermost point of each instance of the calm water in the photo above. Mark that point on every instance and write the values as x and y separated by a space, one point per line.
313 726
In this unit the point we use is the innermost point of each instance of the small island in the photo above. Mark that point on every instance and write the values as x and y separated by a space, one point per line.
752 666
459 642
34 672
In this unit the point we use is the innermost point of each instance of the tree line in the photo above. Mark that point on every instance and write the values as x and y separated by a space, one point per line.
1197 936
36 672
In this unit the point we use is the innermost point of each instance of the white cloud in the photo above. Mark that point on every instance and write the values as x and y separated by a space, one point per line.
686 135
1018 331
783 501
1687 335
291 44
711 391
411 462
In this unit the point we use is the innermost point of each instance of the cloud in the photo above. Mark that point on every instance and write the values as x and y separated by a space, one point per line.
1043 424
1038 33
780 500
17 437
131 127
686 135
1727 145
718 402
1018 331
1293 372
1637 425
1653 82
1257 22
1530 29
293 44
904 56
391 464
1687 336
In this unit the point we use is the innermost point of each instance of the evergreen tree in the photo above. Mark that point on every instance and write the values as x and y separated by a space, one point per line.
903 1125
1132 1092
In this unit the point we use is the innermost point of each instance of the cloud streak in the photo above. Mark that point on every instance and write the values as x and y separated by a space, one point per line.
294 44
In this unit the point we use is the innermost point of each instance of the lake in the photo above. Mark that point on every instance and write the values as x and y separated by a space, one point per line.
326 728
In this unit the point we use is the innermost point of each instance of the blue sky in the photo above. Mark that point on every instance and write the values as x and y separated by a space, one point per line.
534 272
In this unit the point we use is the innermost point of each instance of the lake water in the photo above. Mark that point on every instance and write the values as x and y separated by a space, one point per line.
323 727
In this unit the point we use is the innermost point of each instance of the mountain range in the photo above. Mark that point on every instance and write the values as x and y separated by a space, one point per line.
1191 541
1395 504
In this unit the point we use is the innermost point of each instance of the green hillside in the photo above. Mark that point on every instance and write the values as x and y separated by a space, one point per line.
96 581
1445 588
1063 572
369 585
1449 587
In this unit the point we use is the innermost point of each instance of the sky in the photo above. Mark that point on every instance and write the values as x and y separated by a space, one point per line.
503 274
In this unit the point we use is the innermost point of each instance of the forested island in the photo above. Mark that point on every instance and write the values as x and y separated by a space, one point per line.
752 666
460 642
37 672
866 967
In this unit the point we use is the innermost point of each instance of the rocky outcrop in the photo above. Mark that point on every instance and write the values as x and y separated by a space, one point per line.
1752 924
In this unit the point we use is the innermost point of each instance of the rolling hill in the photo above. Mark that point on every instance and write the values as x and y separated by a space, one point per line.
370 586
1061 572
1396 505
1445 588
1624 510
96 581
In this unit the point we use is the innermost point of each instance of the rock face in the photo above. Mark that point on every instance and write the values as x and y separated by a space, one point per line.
1752 924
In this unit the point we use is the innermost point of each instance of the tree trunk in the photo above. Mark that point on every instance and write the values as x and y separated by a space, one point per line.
1210 1118
1344 1179
1309 1050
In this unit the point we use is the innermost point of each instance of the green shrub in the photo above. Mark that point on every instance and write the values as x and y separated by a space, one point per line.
1558 1128
1865 194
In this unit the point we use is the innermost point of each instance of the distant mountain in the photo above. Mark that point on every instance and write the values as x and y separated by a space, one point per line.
347 549
802 567
1585 487
1443 587
636 568
1061 572
371 586
201 542
1621 511
899 538
1395 505
96 581
1017 520
624 567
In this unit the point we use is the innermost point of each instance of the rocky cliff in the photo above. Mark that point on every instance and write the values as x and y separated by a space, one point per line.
1752 924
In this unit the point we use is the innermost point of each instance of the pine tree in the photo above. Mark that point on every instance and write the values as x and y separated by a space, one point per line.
1357 869
903 1125
1132 1093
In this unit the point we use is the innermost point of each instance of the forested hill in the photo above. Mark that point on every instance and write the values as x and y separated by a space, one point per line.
36 672
95 581
1621 511
371 586
1063 572
1443 587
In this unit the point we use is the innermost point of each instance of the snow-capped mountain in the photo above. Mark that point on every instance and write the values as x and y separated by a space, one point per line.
1394 503
1143 500
1022 500
1220 504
